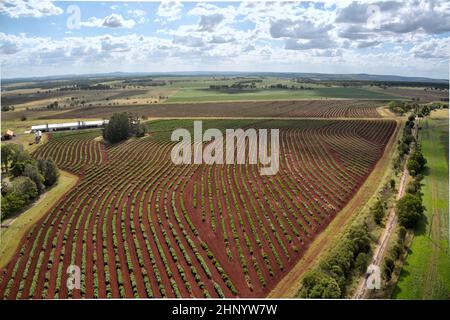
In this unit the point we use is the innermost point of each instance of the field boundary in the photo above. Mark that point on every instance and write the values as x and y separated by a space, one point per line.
290 284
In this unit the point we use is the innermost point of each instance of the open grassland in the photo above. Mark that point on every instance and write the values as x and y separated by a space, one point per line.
205 94
140 226
426 272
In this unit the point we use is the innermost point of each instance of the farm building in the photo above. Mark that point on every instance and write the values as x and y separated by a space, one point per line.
69 126
8 135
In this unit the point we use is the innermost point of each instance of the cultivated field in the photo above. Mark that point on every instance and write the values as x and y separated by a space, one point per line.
305 108
139 226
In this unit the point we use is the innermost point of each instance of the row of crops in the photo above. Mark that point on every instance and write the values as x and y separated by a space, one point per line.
139 226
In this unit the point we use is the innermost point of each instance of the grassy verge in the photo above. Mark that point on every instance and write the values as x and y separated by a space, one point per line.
11 236
426 272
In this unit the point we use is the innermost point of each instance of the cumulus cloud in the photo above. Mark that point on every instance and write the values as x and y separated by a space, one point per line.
112 21
170 10
433 48
298 29
431 17
211 16
358 12
29 8
367 44
209 23
219 39
138 14
190 41
319 43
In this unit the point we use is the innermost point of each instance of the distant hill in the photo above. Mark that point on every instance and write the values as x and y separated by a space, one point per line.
312 76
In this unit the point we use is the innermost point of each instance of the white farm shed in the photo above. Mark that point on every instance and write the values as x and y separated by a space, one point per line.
69 126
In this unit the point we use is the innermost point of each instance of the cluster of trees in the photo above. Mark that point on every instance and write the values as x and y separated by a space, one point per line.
121 126
25 180
7 108
331 278
53 105
404 144
378 211
401 107
83 86
236 85
394 253
421 110
286 87
410 208
416 162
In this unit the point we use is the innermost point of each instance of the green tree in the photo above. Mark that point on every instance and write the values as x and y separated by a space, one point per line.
8 151
20 155
49 171
11 203
33 173
416 162
392 184
118 128
409 210
24 187
317 284
388 267
378 211
361 262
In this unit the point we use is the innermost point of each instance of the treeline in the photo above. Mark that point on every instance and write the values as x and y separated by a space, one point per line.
349 257
25 178
145 82
374 83
84 86
8 108
421 110
237 85
404 144
286 87
122 126
409 210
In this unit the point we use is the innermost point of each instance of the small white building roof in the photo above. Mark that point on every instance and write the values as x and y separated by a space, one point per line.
69 125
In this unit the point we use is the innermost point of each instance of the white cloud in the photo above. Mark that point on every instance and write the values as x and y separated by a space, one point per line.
212 16
29 8
170 10
112 21
138 14
433 49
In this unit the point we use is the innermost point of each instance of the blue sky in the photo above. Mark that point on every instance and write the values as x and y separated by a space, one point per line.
409 38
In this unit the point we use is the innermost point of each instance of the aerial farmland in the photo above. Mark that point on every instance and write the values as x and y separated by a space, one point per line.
155 183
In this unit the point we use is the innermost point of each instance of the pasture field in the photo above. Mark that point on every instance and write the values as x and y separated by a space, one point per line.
140 226
426 272
204 94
